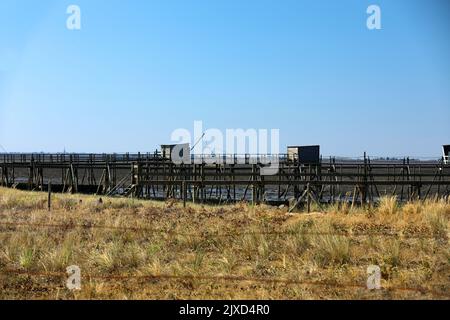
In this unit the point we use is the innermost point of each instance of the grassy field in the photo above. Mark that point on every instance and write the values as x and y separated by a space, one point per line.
130 249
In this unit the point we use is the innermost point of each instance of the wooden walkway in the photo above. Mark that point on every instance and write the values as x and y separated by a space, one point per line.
228 178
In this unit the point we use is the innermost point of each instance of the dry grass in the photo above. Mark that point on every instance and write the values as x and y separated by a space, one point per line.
409 242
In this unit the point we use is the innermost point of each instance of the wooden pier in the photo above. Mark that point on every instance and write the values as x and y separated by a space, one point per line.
230 178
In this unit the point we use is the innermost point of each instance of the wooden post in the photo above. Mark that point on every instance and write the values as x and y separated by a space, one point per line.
364 188
254 186
49 201
308 198
184 190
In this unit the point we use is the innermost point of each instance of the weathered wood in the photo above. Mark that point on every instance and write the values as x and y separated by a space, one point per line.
229 182
49 200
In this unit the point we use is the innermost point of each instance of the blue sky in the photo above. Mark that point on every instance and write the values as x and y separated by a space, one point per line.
137 70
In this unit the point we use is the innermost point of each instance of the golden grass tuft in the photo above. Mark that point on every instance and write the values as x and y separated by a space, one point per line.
388 206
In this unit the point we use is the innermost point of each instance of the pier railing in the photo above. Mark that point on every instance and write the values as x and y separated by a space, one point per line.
228 177
196 158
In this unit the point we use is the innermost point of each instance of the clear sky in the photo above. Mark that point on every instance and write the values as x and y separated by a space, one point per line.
137 70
